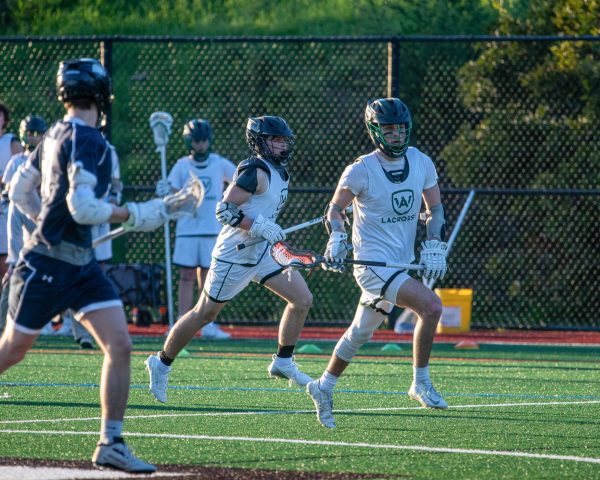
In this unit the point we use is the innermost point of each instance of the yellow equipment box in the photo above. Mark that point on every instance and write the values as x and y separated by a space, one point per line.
456 309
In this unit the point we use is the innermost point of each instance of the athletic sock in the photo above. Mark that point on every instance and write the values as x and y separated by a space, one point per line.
164 359
285 351
327 381
421 375
109 430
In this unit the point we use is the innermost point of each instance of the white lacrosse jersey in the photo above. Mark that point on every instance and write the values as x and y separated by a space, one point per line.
386 213
5 151
12 166
267 204
217 171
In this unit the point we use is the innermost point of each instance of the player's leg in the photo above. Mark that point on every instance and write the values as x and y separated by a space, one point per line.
185 289
211 331
13 346
29 308
290 286
186 328
427 305
366 320
185 256
109 328
80 334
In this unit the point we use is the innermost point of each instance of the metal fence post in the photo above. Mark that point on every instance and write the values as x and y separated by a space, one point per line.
106 57
393 68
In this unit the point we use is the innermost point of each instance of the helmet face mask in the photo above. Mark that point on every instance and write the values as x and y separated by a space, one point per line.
32 126
389 123
84 79
194 132
271 138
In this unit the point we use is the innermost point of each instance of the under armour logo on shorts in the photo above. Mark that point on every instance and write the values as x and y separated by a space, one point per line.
47 278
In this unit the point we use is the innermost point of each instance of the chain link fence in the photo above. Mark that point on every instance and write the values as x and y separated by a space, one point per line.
525 139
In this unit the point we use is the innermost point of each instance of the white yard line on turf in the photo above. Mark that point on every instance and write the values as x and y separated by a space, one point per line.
374 446
297 412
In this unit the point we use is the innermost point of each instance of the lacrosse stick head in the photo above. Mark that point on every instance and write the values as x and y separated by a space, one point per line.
186 201
290 257
161 123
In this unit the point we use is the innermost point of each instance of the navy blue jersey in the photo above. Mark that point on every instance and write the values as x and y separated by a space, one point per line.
67 141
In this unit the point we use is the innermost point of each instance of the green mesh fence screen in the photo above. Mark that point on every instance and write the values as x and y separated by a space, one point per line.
515 120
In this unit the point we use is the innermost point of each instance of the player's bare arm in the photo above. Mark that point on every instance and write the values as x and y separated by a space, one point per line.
337 247
342 198
433 250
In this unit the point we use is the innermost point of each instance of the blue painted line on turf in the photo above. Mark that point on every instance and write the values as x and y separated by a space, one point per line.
295 390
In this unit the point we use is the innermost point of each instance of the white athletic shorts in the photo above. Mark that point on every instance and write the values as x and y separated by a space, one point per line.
379 282
225 279
103 251
192 252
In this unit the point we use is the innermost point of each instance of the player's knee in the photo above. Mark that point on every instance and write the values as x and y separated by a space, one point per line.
432 310
11 356
305 301
354 338
120 348
187 275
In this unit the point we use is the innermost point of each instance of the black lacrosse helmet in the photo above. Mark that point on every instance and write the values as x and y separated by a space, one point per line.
258 131
84 78
198 130
388 111
31 124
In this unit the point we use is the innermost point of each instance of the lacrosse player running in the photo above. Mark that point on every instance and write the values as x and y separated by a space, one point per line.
57 269
9 146
385 187
195 236
248 210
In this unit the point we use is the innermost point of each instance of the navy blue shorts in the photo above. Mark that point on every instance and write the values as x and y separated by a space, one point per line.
42 287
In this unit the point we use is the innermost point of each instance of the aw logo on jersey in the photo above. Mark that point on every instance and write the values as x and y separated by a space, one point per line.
207 182
403 201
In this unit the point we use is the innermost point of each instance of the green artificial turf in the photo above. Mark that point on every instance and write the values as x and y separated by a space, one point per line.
224 411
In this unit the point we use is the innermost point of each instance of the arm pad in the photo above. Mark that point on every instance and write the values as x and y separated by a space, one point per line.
85 207
436 223
23 190
229 214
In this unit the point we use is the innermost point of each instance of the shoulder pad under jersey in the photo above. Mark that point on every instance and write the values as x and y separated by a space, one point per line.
246 173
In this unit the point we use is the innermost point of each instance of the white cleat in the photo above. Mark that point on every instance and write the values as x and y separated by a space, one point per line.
212 331
289 372
323 401
117 456
426 395
159 377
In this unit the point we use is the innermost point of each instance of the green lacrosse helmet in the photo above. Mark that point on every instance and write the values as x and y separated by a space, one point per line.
31 123
198 130
388 111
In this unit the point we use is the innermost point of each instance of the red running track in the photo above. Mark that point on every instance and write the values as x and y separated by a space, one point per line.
539 337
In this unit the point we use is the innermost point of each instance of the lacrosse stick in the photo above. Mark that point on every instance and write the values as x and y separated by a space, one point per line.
160 123
407 315
296 258
294 228
181 203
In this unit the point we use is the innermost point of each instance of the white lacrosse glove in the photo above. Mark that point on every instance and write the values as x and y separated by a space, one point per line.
267 229
335 252
433 258
146 216
163 188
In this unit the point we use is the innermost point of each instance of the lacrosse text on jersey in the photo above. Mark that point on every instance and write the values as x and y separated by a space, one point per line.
402 203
